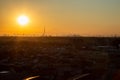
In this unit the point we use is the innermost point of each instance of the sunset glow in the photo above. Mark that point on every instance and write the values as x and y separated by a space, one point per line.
61 17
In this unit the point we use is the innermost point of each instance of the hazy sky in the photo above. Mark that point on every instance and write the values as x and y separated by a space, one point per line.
61 17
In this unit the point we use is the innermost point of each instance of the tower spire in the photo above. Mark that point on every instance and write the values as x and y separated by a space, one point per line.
44 30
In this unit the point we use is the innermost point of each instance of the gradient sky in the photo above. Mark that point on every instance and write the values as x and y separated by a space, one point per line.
61 17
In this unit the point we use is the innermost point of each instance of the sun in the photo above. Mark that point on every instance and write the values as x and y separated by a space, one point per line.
23 20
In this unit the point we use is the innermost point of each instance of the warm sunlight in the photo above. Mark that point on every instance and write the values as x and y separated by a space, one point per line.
23 20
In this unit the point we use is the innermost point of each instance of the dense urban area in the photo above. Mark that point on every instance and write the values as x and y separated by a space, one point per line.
60 58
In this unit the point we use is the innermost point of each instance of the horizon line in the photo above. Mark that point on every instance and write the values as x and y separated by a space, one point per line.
37 35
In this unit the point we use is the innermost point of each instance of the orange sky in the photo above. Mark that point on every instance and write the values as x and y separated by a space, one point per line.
61 17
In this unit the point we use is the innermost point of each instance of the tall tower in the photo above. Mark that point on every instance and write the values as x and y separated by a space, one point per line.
44 30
